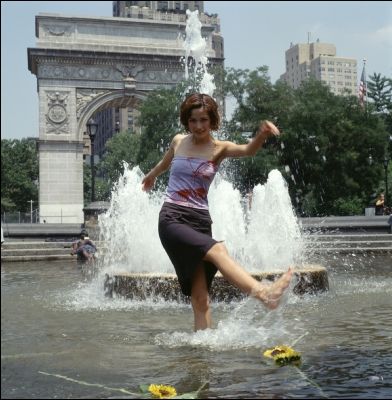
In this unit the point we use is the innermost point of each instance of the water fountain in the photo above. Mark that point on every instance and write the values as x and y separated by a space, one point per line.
136 266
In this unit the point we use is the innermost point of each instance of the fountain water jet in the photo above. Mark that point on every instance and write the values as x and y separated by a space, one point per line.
195 46
136 265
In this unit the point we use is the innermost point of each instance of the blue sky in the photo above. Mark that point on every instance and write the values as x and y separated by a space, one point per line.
255 34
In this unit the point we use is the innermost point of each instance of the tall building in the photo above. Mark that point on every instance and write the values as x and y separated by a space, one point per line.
124 8
319 60
147 17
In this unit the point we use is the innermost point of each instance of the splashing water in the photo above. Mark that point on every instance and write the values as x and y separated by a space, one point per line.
129 228
270 240
195 46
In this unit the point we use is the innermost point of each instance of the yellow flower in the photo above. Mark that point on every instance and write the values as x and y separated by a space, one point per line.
283 355
162 391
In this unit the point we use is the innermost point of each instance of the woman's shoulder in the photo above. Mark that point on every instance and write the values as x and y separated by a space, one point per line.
179 136
177 139
222 144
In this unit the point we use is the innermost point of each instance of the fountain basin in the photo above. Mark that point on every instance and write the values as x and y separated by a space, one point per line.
311 279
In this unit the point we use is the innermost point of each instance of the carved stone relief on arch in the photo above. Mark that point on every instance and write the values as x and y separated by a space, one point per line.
57 30
86 96
57 116
78 72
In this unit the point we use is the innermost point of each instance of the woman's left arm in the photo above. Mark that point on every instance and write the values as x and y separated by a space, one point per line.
266 130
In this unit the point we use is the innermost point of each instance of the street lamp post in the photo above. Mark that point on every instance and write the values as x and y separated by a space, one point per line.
386 162
92 128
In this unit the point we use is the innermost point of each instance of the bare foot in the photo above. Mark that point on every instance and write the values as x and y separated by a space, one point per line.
270 294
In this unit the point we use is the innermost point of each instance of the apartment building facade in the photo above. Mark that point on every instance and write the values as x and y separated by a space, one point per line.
319 60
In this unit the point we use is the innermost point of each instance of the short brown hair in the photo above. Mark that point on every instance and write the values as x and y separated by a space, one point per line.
198 100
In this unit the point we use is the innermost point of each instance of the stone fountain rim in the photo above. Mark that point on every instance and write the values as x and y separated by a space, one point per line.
308 268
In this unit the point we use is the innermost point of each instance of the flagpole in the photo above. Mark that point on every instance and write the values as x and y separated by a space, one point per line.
365 82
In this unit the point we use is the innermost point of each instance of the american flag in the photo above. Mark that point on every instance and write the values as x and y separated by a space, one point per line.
362 87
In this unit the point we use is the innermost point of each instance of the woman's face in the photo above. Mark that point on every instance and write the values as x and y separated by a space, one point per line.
199 123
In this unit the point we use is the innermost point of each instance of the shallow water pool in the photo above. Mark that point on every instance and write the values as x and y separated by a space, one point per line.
61 338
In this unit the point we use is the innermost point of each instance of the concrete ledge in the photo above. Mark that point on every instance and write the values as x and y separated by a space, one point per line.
63 257
352 250
346 224
41 230
312 279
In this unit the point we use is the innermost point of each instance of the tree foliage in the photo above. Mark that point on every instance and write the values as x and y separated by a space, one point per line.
326 147
380 92
19 174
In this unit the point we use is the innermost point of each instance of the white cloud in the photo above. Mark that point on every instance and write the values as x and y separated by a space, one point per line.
382 36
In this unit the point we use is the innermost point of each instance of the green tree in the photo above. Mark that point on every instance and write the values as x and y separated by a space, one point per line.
326 149
124 146
103 186
19 174
257 99
380 91
159 118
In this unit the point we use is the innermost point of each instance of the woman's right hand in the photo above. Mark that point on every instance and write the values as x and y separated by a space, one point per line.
267 128
148 182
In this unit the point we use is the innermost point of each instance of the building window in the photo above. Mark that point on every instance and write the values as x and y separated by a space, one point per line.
162 5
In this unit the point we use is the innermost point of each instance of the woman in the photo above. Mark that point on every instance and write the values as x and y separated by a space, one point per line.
184 220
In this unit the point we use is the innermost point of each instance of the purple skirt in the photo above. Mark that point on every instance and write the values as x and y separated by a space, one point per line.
186 235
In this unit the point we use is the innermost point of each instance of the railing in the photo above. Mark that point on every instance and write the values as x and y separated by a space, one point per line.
34 217
19 217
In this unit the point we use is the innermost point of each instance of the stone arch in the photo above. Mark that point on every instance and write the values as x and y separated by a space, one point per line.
117 99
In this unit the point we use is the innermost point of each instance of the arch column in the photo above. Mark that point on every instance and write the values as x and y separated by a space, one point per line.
60 157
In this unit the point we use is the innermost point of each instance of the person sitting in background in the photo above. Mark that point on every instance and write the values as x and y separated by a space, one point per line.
380 204
84 248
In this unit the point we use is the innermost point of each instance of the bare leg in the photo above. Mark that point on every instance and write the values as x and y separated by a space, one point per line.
269 294
200 300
